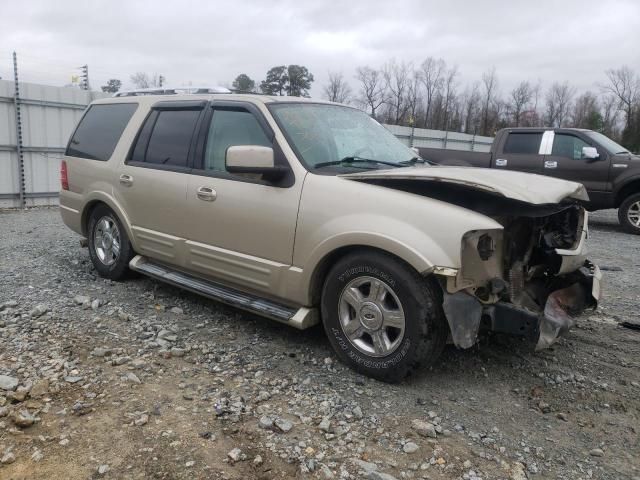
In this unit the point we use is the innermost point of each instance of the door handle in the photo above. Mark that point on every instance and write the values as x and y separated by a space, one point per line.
207 194
501 162
550 164
126 180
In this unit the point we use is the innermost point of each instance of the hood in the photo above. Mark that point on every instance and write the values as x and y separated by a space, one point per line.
523 187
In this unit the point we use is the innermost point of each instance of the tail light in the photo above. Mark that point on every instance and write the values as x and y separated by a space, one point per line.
64 178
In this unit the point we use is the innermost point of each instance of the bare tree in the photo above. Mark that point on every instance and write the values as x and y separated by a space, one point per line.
520 97
586 112
609 109
144 80
558 103
449 96
431 72
471 109
372 94
625 85
396 78
413 96
337 90
490 84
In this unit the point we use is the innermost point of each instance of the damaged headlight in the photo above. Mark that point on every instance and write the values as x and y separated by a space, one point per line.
486 246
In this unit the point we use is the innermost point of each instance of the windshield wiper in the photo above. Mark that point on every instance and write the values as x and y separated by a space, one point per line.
353 159
413 161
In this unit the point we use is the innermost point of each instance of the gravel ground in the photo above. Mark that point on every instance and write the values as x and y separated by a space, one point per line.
100 379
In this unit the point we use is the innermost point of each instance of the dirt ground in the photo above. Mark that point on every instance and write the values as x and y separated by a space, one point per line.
142 380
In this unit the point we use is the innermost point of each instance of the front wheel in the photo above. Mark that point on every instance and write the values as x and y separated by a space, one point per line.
109 246
382 318
629 214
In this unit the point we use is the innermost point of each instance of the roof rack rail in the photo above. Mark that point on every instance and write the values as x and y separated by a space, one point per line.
171 91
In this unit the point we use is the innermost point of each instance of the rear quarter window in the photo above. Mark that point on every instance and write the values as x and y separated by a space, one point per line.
528 143
99 130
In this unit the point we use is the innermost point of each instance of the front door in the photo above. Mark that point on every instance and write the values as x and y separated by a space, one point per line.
241 228
566 161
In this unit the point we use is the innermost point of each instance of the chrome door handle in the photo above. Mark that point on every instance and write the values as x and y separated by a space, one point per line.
207 194
126 180
550 164
501 162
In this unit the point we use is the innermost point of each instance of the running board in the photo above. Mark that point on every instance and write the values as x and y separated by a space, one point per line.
298 318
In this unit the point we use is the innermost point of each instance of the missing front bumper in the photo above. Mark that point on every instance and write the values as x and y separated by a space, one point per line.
465 314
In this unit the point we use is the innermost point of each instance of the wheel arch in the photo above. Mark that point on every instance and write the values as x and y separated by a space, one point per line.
100 198
629 188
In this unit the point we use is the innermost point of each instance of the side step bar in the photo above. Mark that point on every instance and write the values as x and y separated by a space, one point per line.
298 318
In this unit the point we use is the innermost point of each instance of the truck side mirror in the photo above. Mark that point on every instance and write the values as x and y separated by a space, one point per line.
590 153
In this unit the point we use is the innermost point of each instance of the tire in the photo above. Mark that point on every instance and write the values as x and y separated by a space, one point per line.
418 300
109 263
629 214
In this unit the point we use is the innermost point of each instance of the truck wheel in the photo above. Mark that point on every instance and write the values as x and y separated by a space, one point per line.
382 318
629 214
109 246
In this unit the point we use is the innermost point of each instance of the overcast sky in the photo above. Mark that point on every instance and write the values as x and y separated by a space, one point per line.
210 42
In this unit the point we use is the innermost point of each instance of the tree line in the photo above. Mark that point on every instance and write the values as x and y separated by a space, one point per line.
432 95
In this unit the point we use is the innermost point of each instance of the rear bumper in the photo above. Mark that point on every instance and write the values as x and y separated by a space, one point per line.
580 291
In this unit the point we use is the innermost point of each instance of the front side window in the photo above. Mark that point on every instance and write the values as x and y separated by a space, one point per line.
170 138
99 130
524 143
231 127
568 146
339 137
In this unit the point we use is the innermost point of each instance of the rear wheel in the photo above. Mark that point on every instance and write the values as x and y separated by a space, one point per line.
382 318
629 214
109 246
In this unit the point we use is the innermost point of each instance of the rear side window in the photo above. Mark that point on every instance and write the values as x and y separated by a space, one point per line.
528 143
166 137
99 130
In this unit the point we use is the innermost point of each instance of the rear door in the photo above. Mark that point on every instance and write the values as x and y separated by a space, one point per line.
152 184
564 160
519 150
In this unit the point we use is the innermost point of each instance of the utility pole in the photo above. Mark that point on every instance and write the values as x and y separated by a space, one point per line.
84 84
16 99
160 80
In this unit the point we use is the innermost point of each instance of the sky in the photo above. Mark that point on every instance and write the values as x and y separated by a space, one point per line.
211 42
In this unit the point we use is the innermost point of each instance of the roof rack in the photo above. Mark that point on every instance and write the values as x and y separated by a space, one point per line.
171 91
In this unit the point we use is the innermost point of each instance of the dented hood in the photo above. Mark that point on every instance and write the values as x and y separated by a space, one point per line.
524 187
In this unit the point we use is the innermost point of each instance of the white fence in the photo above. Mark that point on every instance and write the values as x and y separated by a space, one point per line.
35 127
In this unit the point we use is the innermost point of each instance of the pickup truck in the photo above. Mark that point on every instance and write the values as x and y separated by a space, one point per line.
609 172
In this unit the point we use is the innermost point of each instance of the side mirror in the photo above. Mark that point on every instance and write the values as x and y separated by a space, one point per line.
590 153
253 159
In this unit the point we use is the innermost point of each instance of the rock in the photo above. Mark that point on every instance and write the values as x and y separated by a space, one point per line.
100 352
177 310
73 378
167 335
424 429
177 352
18 396
236 455
133 378
325 425
37 455
4 411
326 472
410 447
375 475
64 442
40 388
283 424
357 412
544 407
38 311
190 463
265 422
562 416
141 420
23 419
102 469
8 383
81 299
258 460
96 304
517 472
596 452
7 458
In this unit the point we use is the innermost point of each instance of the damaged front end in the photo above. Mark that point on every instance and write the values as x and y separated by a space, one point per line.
530 278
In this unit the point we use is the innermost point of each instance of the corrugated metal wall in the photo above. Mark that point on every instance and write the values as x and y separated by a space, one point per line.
421 137
48 116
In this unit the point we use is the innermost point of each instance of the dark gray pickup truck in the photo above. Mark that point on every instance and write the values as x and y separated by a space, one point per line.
610 173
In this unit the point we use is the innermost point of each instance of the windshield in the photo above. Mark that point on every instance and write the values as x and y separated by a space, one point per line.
339 137
608 144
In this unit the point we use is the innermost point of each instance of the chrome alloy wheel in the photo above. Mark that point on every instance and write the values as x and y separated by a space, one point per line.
371 316
633 214
106 240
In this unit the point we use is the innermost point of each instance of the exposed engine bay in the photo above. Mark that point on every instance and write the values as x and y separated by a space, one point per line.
530 278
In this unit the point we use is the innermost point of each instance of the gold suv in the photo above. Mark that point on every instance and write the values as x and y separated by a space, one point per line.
305 212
